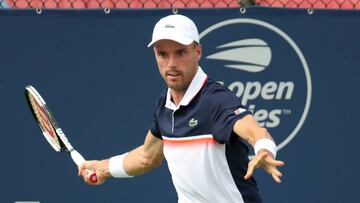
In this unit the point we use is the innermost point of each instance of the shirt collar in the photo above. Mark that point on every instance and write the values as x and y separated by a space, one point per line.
194 87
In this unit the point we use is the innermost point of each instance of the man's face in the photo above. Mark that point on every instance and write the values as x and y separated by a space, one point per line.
177 63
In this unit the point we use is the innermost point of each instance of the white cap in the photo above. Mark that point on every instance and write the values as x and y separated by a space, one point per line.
178 28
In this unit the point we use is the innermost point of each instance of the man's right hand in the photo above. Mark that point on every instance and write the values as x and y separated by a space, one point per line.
101 168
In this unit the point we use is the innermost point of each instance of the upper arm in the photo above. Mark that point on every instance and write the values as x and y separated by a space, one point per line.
248 129
226 110
153 147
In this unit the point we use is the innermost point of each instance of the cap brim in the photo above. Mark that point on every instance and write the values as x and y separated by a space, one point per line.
181 40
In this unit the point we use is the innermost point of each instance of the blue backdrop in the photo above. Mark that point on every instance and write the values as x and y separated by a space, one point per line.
297 72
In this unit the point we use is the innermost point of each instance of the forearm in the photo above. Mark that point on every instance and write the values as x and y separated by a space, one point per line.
258 134
134 163
249 130
138 162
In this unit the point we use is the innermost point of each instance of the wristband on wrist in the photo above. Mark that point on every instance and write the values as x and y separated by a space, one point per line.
116 167
267 144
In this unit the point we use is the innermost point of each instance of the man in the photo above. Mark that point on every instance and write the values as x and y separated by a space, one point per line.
199 127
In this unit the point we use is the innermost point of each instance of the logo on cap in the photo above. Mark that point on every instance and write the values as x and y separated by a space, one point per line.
169 26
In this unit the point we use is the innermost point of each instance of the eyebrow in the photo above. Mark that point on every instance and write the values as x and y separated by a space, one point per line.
181 49
176 50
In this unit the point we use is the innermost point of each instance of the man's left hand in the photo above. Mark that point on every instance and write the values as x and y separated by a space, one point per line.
265 160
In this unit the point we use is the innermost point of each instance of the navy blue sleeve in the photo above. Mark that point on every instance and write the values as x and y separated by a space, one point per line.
154 128
227 110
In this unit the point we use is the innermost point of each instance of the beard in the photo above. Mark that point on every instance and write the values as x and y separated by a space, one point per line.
178 86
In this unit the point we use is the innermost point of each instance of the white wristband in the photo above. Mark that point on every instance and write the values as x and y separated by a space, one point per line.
267 144
116 167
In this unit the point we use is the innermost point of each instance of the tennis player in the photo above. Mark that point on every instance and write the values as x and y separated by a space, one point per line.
199 126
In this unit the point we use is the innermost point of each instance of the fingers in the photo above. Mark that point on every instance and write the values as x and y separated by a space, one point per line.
88 180
83 170
100 168
271 165
276 175
253 164
272 161
268 163
250 170
249 174
87 165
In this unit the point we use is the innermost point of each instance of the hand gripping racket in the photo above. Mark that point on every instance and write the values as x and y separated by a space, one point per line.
51 130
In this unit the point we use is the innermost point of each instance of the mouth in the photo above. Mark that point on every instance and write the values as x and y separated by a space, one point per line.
173 74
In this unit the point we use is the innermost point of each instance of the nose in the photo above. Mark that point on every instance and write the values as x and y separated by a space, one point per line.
172 61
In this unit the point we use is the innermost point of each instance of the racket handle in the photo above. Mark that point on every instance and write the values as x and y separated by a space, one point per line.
78 159
91 175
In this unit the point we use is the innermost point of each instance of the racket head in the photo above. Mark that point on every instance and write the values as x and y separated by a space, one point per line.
44 118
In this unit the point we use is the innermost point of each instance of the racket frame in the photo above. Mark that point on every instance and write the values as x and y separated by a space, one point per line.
59 142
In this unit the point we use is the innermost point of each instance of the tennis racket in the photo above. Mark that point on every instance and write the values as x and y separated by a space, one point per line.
51 130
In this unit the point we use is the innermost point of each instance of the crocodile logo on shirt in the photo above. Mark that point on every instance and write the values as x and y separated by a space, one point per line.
193 122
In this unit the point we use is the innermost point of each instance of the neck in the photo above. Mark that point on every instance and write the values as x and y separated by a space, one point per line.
176 96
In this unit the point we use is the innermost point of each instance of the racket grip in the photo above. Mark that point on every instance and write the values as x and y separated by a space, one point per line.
78 159
91 175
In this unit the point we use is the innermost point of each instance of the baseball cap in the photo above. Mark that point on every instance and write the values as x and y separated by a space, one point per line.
176 27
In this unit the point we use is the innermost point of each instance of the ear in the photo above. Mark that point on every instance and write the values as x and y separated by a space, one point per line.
198 51
154 48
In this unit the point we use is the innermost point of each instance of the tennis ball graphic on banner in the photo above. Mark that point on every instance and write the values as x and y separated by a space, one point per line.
265 68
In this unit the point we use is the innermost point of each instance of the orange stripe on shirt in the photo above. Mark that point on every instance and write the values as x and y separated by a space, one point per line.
192 141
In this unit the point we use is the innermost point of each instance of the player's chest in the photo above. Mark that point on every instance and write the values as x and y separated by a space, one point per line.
185 121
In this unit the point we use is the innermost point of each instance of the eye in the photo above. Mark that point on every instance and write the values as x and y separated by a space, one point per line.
161 53
181 52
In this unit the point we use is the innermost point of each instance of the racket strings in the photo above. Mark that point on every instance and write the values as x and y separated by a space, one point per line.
44 122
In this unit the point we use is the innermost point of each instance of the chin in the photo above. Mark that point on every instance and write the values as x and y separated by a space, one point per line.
176 87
